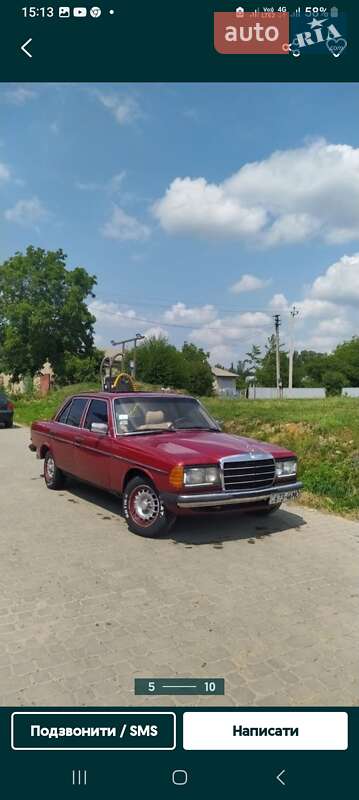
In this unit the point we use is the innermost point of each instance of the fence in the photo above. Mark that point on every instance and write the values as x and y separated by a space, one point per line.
271 393
350 391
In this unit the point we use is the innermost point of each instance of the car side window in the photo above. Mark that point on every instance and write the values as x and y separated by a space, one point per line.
77 408
62 417
97 412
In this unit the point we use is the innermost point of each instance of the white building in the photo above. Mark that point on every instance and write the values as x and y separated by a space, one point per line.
224 382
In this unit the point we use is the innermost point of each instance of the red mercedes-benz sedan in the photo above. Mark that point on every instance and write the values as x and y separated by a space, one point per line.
164 455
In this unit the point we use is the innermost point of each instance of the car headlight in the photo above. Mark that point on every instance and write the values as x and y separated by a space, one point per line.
201 476
284 468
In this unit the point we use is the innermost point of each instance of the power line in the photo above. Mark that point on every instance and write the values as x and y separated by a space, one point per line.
221 309
192 326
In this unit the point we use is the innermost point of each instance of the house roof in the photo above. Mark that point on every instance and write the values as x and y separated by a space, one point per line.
218 372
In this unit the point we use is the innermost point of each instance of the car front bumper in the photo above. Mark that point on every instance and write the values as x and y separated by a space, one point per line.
221 499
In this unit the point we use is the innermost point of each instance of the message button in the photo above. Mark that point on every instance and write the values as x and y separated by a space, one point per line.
265 730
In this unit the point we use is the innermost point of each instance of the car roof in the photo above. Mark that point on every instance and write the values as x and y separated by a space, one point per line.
129 395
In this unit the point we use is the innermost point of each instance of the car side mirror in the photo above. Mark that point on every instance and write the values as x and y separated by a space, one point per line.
219 422
99 427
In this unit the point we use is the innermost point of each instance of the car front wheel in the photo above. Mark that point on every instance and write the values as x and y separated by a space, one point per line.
143 508
54 478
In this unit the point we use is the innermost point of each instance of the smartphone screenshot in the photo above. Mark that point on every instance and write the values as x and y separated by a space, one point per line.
179 400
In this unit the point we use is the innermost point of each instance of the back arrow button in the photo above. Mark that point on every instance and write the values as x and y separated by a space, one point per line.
24 46
279 777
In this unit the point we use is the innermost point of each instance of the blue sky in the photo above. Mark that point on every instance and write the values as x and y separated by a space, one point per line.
172 193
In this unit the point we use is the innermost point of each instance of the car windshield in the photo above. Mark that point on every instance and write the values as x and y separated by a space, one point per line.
160 414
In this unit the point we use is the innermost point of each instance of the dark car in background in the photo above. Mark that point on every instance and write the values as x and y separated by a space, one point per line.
6 411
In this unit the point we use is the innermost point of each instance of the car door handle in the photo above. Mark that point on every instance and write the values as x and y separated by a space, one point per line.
78 439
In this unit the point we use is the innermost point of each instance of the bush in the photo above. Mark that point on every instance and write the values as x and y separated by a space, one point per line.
334 381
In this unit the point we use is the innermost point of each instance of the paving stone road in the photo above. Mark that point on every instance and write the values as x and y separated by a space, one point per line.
270 604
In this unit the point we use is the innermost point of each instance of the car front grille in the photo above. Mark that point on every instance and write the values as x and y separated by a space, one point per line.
244 475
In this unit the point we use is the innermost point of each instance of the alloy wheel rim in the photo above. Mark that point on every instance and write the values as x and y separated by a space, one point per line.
144 506
50 468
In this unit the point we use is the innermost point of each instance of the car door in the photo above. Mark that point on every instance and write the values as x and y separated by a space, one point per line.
64 430
93 450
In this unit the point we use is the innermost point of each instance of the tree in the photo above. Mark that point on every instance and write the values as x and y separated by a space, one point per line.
267 374
82 369
198 373
158 363
309 368
346 359
253 360
43 312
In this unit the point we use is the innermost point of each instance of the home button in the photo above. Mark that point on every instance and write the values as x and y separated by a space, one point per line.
179 777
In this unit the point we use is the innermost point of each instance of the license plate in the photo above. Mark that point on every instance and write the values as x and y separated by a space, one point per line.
282 497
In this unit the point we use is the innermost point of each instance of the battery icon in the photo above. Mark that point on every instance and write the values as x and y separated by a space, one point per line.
334 12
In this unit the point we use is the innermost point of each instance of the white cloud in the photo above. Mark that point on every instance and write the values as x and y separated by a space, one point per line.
340 283
27 212
252 319
228 337
327 312
292 228
322 323
279 303
334 327
249 283
112 185
156 333
126 110
19 95
115 183
291 196
310 308
4 173
110 314
124 227
180 313
197 207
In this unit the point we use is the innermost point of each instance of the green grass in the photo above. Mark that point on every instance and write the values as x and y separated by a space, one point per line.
323 433
27 409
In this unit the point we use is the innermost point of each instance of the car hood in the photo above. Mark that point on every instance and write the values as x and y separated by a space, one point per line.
196 447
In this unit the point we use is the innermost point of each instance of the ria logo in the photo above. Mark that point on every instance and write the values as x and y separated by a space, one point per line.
322 36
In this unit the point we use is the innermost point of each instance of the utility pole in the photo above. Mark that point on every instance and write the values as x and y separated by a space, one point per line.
293 314
123 342
277 352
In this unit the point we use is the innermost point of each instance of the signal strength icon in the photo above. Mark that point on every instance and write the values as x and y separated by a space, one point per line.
296 13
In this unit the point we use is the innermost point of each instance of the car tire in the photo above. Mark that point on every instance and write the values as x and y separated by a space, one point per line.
54 478
9 424
144 510
269 509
